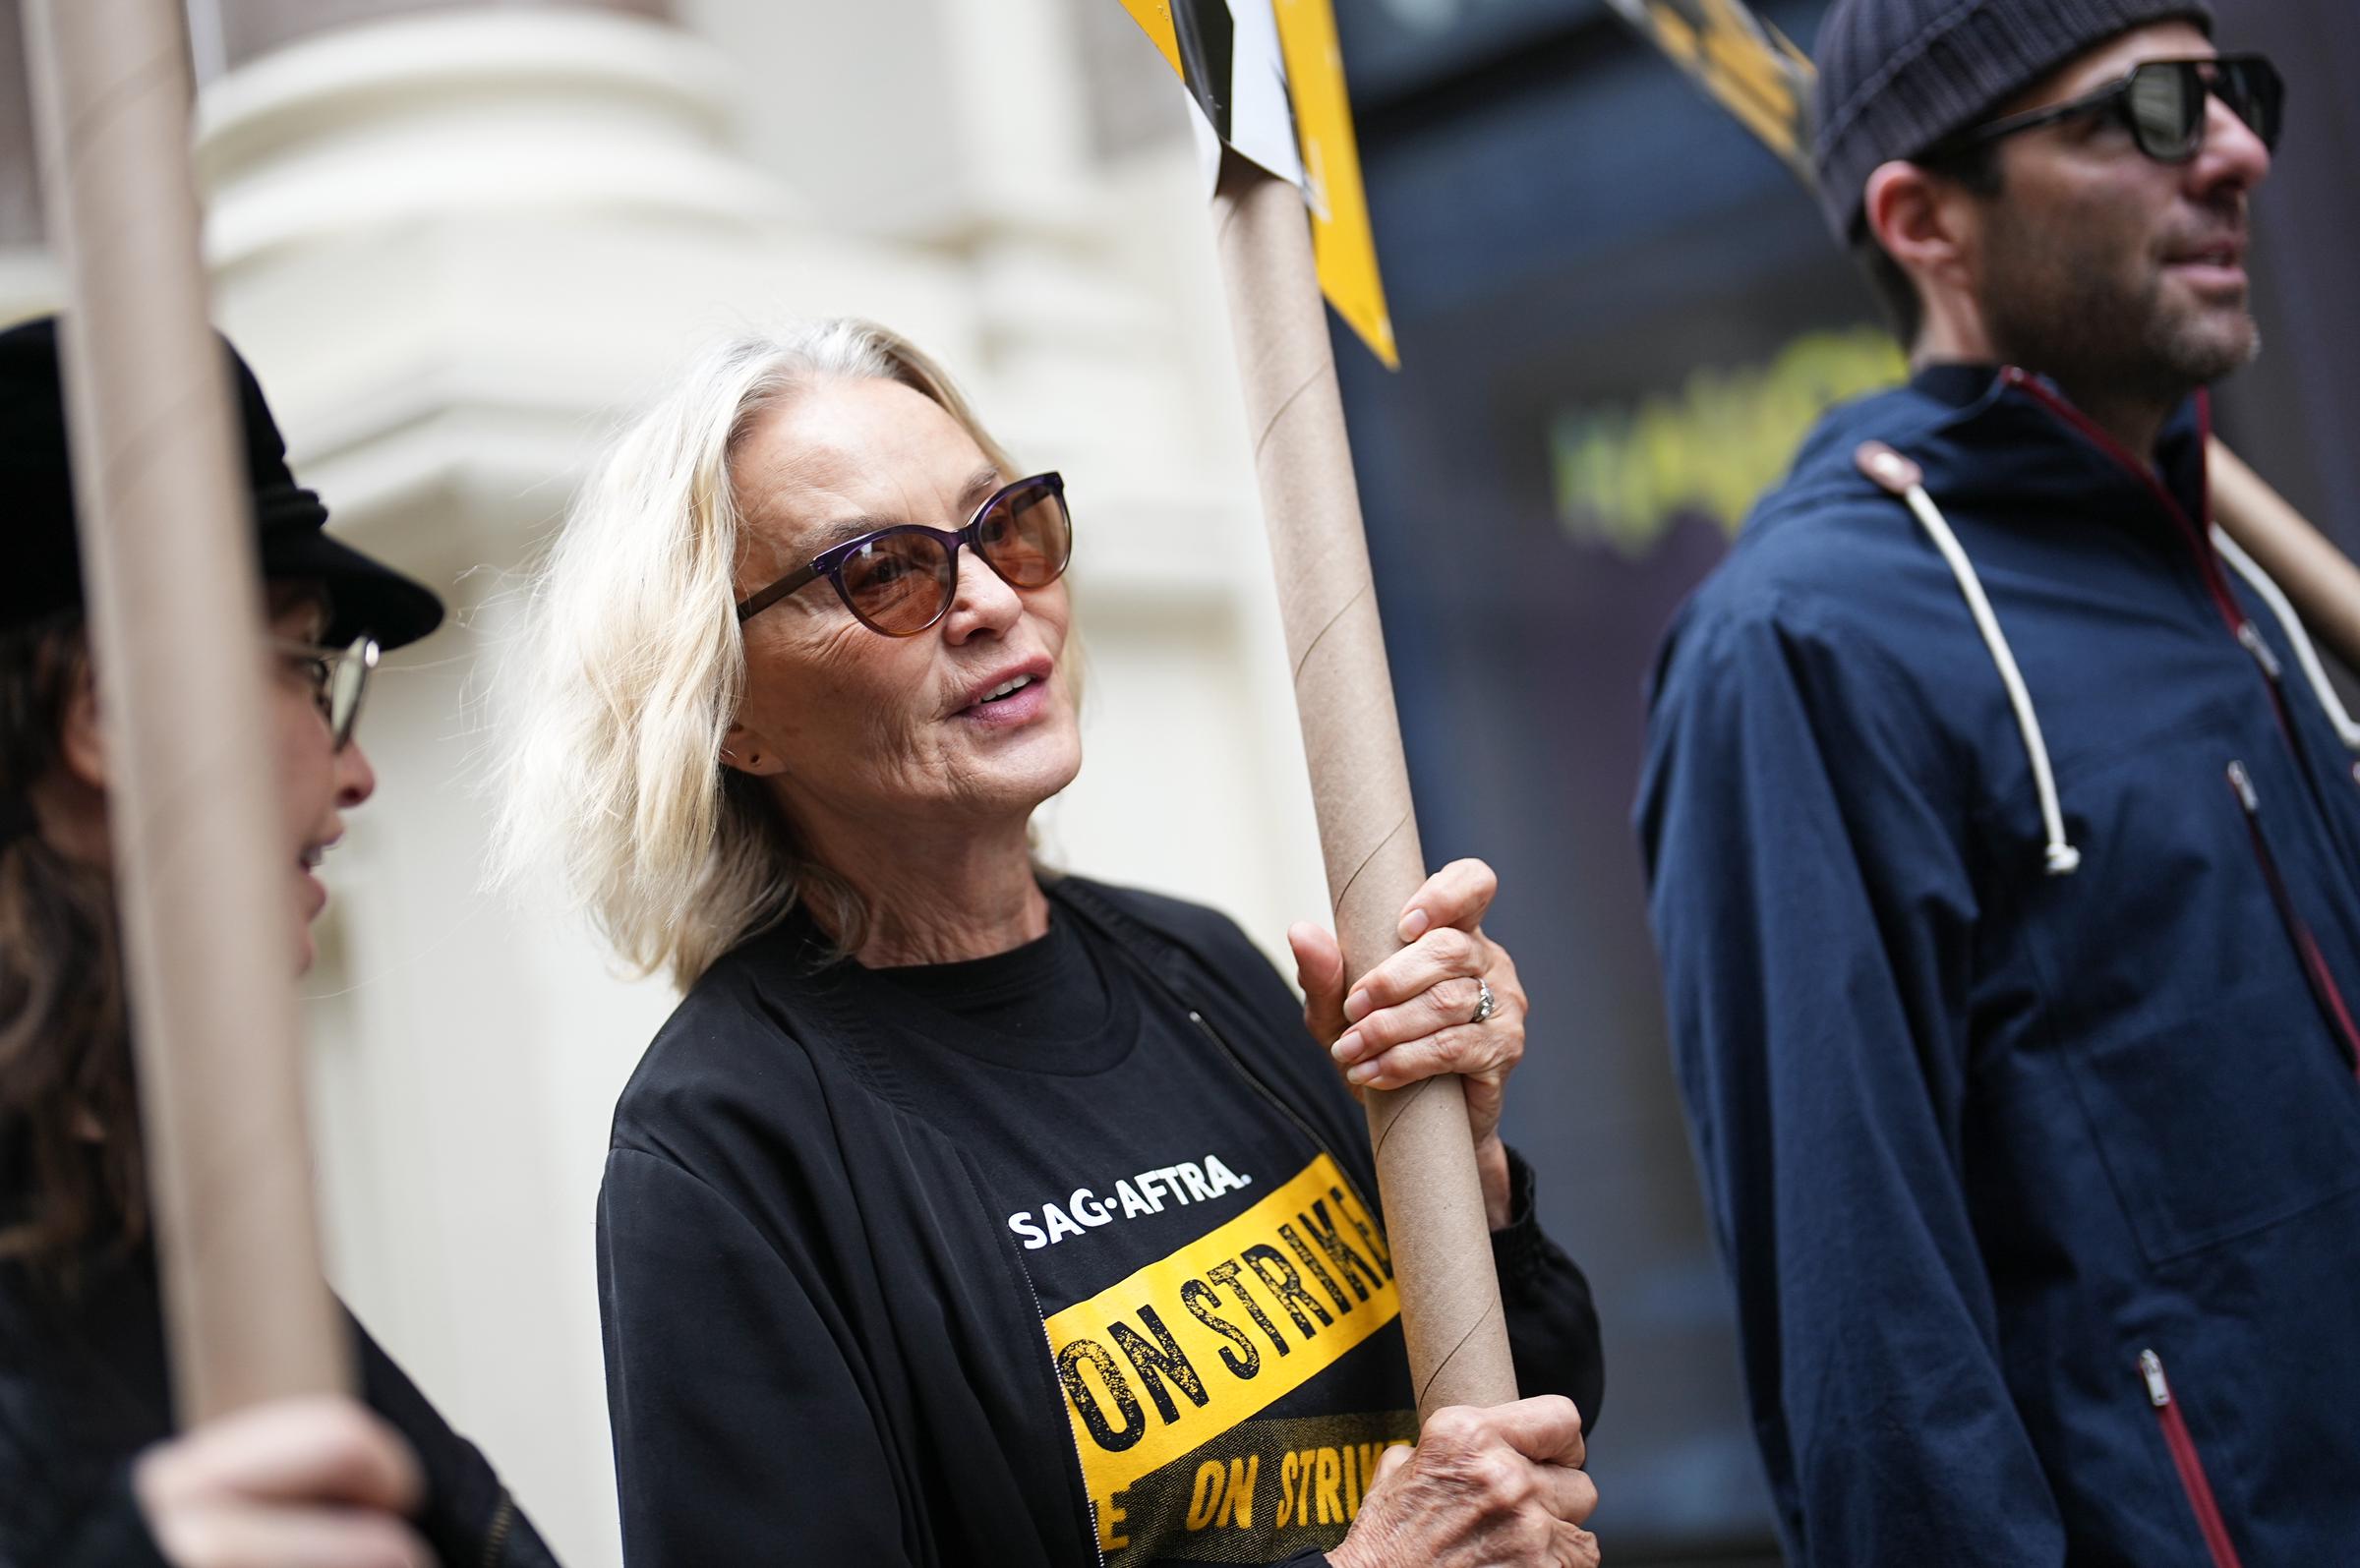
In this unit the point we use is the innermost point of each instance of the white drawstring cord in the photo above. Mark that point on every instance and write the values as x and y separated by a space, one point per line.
2304 653
1902 478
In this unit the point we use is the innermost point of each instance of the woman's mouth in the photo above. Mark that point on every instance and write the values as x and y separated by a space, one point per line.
307 865
1014 701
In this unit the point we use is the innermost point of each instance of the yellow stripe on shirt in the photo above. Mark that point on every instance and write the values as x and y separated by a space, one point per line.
1186 1348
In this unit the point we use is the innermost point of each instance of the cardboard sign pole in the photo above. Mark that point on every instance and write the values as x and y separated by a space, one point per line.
201 863
1433 1199
2320 580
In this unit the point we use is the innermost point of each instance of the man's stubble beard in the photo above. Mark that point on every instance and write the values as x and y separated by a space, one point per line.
2054 310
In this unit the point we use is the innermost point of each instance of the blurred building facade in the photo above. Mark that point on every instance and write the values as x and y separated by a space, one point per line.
1617 316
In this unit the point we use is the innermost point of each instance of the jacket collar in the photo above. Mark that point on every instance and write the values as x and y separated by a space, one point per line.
2007 428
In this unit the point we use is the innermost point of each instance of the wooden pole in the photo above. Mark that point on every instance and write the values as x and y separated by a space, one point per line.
200 863
1433 1198
2320 580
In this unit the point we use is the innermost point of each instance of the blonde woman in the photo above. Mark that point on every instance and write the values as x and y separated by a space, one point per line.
800 674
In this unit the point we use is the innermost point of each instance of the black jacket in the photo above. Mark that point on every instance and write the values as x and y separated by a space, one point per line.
822 1345
84 1388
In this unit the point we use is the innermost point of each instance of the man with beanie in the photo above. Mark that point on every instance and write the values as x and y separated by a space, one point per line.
2005 846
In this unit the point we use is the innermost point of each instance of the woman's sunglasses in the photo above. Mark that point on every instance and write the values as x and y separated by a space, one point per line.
339 678
2166 104
900 580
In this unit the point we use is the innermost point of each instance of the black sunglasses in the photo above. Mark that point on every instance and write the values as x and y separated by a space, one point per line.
2166 104
339 678
900 580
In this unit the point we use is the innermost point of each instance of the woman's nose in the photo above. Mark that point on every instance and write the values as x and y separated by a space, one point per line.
356 781
981 601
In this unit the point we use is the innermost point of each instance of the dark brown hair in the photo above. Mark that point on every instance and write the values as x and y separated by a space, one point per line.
72 1178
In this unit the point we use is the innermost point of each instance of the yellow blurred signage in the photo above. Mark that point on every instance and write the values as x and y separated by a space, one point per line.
1753 70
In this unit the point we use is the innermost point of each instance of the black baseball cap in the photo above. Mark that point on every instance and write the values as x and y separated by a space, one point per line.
40 565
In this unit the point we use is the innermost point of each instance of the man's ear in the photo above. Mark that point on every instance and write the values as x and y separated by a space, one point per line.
1924 223
81 740
750 753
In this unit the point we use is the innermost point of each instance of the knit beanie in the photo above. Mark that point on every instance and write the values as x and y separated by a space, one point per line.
1898 76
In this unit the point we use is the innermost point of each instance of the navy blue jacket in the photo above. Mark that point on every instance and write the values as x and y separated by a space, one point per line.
2041 1191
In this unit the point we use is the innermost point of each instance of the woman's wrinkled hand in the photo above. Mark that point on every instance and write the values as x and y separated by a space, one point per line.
310 1483
1502 1486
1412 1017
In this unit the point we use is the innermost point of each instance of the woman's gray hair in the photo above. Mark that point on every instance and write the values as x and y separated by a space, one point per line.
629 670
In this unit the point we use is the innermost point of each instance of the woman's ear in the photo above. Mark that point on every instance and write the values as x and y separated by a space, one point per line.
81 740
747 752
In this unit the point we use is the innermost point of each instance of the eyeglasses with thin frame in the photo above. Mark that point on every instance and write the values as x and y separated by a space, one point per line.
900 580
338 677
2166 104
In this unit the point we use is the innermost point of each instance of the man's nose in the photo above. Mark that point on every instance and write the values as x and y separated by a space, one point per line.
2233 152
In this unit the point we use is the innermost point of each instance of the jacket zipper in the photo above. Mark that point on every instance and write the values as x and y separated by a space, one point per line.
1154 977
2250 636
1237 1063
2324 989
2315 965
1089 1504
2184 1459
1283 1109
495 1539
2100 436
2207 567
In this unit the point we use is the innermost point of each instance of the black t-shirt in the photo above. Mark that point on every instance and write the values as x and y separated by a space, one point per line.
1219 1296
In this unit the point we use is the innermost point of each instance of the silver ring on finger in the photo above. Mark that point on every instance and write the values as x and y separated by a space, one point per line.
1486 1004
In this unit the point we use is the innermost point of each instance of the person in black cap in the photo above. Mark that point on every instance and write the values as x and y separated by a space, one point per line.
89 1473
2004 849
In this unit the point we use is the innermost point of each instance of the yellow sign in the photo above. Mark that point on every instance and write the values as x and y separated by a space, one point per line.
1340 208
1626 476
1155 19
1753 70
1218 49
